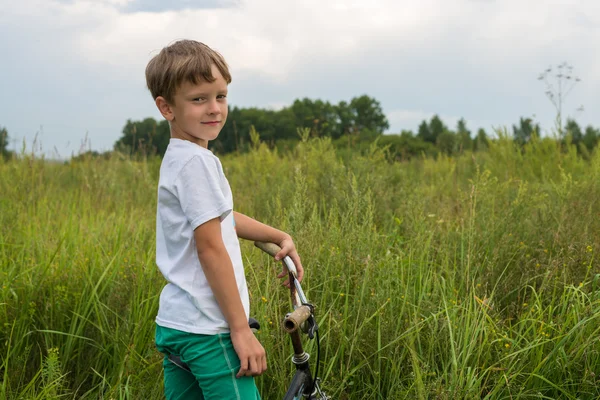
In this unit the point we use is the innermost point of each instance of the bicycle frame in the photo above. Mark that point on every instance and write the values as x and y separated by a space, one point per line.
301 319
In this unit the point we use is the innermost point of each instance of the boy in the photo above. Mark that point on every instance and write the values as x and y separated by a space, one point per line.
203 309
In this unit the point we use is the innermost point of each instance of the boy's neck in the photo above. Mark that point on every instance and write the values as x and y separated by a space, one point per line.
199 142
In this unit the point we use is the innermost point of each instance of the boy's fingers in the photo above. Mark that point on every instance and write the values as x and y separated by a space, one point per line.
263 366
243 367
280 255
258 366
252 367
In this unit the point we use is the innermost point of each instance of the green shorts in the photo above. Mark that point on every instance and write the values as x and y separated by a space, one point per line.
213 362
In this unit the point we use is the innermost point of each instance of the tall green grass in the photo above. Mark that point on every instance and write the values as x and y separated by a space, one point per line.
450 278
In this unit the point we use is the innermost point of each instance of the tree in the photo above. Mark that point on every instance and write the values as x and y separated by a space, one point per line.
436 127
572 128
430 132
424 133
4 140
345 118
321 117
481 142
591 137
446 142
368 114
147 136
463 136
525 131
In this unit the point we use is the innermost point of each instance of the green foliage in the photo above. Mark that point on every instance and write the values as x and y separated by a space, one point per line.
525 131
470 276
591 137
463 140
147 137
367 114
481 142
363 115
430 132
4 141
354 126
573 131
446 142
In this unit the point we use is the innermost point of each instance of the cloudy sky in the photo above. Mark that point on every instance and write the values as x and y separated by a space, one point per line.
72 71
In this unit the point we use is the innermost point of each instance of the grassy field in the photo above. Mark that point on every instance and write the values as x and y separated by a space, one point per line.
456 278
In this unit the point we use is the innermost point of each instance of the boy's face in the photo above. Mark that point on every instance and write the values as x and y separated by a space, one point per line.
199 111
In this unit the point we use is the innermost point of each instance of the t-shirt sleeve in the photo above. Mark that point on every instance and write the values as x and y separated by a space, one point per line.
199 191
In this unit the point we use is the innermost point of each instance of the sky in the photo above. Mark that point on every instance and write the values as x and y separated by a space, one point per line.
72 71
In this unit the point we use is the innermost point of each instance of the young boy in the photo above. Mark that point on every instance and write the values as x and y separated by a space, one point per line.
204 308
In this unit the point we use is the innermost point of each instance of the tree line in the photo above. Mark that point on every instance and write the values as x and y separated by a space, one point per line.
356 124
360 115
351 125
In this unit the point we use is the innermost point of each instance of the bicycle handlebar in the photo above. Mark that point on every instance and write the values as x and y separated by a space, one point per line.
295 319
269 248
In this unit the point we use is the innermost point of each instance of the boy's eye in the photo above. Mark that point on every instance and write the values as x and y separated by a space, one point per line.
222 96
198 99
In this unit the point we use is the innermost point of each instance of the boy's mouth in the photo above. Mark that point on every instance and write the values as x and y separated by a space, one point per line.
211 123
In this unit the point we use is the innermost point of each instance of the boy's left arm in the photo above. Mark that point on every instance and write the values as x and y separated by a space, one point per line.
250 229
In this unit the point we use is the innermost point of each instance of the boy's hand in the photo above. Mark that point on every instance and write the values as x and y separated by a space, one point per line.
289 249
253 359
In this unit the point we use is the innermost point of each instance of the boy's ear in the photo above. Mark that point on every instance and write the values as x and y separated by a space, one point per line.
164 108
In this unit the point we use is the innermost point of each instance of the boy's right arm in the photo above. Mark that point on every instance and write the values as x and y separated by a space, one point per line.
218 270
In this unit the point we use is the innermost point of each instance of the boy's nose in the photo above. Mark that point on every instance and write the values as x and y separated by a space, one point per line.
213 107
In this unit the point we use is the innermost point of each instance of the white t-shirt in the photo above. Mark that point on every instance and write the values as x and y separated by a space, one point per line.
192 190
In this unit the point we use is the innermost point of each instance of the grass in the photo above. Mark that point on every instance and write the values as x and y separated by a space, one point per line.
451 278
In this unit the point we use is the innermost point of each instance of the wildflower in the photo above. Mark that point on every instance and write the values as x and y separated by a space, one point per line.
545 250
537 265
479 285
264 299
524 304
341 294
589 249
507 345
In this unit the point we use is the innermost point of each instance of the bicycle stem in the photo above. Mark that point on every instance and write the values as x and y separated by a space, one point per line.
300 356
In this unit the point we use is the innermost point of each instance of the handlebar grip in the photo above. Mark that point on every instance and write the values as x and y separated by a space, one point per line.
296 318
269 248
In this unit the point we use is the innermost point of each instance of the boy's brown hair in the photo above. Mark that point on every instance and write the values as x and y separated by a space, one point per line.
183 61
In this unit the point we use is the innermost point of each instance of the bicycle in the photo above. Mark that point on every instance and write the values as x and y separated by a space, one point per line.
303 385
302 319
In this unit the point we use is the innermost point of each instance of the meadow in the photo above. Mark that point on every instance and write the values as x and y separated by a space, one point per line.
463 277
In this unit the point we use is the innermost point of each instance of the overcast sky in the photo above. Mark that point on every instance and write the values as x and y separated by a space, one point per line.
73 70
